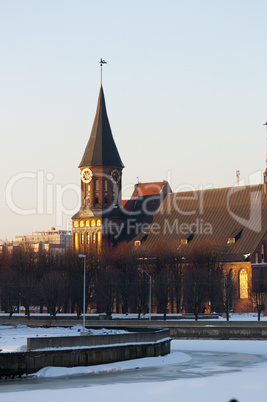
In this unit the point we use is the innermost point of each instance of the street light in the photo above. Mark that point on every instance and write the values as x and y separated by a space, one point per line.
150 283
84 276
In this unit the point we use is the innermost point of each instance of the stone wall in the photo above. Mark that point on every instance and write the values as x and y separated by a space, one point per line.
20 363
97 340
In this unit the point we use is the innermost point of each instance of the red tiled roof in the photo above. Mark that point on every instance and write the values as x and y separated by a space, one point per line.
144 189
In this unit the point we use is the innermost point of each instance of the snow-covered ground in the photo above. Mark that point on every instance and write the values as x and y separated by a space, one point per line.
13 338
233 316
194 371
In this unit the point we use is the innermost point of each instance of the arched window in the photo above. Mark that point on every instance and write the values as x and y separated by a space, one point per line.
243 284
98 222
99 237
76 240
87 238
93 237
82 238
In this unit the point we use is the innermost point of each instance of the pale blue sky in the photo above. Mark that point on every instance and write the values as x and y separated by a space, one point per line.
185 88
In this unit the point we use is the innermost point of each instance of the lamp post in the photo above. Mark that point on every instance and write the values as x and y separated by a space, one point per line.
84 276
150 286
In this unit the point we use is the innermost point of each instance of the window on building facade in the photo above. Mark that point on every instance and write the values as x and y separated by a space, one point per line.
262 253
96 200
243 284
82 238
137 243
87 238
87 223
93 223
81 224
257 258
76 239
76 224
98 222
93 237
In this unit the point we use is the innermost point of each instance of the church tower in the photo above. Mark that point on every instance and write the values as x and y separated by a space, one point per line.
100 218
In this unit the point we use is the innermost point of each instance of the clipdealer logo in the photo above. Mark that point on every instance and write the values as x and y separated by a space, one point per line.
50 197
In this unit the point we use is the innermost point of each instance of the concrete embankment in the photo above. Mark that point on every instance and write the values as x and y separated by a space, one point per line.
205 329
76 351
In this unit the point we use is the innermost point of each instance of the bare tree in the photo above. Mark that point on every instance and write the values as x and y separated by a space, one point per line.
9 290
54 284
162 277
195 288
126 269
24 264
228 291
258 290
202 277
177 263
105 285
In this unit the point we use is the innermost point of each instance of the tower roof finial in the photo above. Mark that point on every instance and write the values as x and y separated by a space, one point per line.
101 64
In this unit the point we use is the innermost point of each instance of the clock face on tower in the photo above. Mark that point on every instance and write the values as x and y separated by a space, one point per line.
86 175
115 175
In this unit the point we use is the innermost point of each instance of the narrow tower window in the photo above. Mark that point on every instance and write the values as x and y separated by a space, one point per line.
243 284
93 237
76 241
98 238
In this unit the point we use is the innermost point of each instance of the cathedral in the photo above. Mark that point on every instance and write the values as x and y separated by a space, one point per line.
234 218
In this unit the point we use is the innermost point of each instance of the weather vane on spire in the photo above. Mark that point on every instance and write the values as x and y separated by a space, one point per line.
101 64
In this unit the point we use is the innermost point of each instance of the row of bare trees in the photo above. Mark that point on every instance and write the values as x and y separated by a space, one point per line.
192 282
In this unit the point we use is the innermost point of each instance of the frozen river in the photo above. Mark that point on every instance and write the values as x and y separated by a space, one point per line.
194 371
192 365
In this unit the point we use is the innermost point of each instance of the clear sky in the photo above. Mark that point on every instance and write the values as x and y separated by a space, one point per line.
185 88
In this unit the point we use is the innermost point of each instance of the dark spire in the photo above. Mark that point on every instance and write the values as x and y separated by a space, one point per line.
101 149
